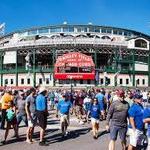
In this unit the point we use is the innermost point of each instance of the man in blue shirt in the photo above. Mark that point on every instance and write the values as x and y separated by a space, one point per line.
64 107
136 121
101 100
41 112
147 120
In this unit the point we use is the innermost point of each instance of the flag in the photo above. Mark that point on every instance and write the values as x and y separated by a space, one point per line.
97 76
2 28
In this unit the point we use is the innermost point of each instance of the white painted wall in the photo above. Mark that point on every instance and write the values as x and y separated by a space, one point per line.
111 76
25 77
131 44
9 77
141 77
46 75
141 67
124 77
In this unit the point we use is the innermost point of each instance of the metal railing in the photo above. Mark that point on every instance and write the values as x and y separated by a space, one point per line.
23 70
63 41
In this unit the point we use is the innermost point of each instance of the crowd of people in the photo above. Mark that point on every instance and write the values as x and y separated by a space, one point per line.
125 112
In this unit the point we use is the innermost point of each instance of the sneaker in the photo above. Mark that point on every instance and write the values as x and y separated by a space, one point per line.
17 137
3 142
81 122
34 141
94 137
66 133
28 141
43 143
62 135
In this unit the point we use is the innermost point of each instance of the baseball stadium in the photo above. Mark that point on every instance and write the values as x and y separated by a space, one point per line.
82 55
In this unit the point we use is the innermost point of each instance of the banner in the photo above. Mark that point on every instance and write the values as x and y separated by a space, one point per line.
10 57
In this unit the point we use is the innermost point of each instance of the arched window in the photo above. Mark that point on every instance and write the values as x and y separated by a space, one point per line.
81 36
140 43
44 37
106 37
68 36
55 36
97 37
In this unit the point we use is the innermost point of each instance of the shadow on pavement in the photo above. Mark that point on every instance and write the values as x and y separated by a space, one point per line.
103 133
72 135
11 141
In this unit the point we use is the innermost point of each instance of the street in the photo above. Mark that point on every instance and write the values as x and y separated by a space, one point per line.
79 137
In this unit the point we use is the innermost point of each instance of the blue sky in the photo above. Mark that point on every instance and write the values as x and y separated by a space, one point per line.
130 14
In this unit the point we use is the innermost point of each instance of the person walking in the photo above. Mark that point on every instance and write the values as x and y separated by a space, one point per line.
42 113
101 100
136 125
95 113
146 120
20 109
64 107
116 120
31 114
5 100
11 121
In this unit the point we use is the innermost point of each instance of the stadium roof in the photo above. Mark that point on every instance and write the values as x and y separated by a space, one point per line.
136 33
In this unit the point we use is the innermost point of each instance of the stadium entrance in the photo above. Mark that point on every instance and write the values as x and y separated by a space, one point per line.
74 67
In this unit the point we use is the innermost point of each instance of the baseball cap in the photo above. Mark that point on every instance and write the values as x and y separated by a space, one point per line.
137 96
120 93
41 89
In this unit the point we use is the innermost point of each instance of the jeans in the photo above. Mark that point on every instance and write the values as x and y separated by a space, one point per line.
21 117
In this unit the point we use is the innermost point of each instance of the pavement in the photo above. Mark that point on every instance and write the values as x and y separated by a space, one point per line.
79 137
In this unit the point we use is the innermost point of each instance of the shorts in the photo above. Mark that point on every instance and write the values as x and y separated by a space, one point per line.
87 106
101 103
33 121
63 118
134 136
41 119
148 147
114 130
79 110
12 122
94 120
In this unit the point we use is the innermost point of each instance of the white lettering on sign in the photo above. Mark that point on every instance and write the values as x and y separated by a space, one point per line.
74 76
74 59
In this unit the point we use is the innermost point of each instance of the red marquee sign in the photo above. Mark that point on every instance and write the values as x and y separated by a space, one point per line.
74 59
78 60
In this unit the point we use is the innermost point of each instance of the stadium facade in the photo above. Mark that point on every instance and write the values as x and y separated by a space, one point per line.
77 54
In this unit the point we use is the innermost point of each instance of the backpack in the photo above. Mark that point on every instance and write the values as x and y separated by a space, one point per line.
142 142
10 114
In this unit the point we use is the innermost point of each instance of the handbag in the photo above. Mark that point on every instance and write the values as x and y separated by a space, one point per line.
142 141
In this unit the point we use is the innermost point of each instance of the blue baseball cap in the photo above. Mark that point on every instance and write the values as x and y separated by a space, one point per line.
137 96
